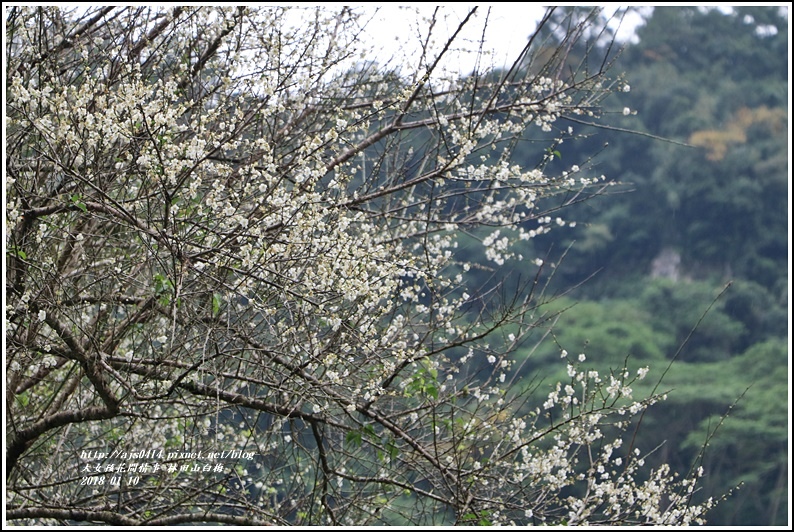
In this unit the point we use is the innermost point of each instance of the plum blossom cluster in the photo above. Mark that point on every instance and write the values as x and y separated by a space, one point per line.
226 230
576 441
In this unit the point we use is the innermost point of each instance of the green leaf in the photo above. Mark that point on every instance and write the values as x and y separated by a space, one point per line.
76 199
353 437
23 398
391 446
163 287
162 283
432 391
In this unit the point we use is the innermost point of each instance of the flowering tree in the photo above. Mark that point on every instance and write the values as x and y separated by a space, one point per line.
235 291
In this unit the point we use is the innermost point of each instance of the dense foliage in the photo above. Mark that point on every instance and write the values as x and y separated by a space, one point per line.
705 208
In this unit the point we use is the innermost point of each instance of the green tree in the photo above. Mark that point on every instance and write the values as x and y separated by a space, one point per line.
713 211
716 81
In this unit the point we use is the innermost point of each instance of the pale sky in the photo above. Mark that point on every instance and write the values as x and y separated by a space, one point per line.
509 26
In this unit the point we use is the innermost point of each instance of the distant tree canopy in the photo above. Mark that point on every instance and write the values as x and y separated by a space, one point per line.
709 207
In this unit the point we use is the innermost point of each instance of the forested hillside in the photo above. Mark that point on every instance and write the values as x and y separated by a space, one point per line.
705 207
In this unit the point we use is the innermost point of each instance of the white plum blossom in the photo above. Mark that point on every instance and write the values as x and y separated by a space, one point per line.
230 230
